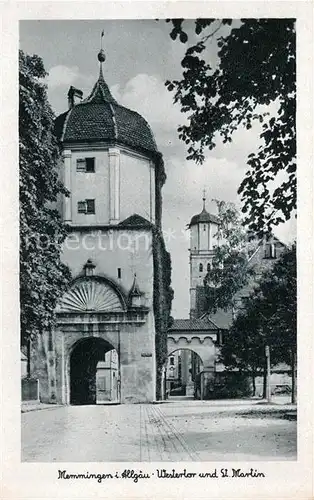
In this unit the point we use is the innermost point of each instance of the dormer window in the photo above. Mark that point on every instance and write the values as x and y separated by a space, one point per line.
85 165
270 251
86 206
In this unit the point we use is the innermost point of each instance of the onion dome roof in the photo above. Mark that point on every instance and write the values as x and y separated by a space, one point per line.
101 118
204 216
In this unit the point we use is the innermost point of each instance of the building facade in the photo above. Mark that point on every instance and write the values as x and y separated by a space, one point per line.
114 173
195 339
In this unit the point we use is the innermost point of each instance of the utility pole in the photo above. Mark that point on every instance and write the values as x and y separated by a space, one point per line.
268 387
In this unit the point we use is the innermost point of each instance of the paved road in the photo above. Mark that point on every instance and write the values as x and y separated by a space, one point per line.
174 431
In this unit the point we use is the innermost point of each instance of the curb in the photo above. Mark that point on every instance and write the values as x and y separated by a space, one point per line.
27 409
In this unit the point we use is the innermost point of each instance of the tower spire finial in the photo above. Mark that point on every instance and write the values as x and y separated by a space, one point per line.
101 56
204 198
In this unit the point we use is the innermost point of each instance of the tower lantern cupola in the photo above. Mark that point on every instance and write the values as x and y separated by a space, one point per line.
105 147
203 227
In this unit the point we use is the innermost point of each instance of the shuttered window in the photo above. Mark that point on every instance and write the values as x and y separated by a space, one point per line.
86 165
86 206
81 207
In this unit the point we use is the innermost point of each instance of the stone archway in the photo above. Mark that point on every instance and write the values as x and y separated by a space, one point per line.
183 370
84 358
202 344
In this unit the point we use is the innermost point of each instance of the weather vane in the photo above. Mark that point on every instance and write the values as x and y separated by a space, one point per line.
101 37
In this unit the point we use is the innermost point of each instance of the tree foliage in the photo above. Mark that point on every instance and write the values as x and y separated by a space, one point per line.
256 68
269 317
229 271
42 275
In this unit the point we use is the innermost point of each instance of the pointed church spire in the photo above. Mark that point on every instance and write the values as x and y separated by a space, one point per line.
101 92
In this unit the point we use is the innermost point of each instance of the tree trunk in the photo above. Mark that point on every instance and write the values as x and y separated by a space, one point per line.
253 383
293 376
28 355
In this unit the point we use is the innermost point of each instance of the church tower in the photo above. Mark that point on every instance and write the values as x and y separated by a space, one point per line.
203 237
114 173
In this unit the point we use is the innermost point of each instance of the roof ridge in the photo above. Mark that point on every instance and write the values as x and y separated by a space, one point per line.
68 113
115 128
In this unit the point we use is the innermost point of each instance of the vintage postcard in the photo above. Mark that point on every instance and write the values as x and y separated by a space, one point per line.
157 236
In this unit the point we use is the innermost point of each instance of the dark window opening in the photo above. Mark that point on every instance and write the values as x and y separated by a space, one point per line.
90 206
119 273
90 165
201 267
172 360
208 267
204 227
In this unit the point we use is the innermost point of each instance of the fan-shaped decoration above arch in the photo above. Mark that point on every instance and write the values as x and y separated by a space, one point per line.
90 296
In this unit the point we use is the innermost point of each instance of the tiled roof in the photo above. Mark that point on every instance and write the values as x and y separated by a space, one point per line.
192 324
135 220
101 118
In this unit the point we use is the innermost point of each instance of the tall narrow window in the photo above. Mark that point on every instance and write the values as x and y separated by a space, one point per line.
90 206
81 207
270 251
208 267
90 165
119 273
201 268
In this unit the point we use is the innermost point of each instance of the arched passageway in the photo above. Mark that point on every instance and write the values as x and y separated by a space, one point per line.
183 374
91 371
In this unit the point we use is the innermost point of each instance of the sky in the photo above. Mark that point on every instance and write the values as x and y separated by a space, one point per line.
140 57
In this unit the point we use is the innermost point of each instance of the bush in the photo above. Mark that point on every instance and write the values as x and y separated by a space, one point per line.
232 385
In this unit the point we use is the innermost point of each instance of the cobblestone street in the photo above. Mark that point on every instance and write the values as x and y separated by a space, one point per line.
173 431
